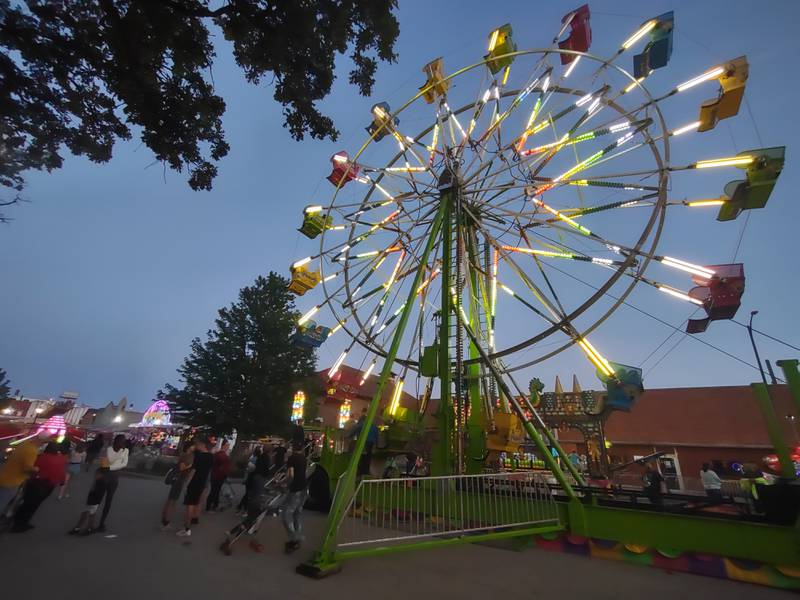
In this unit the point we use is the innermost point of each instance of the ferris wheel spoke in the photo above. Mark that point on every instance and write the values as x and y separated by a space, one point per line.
524 236
532 287
410 269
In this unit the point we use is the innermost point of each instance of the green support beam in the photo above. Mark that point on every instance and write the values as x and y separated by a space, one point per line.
442 463
790 372
324 560
476 423
764 400
526 422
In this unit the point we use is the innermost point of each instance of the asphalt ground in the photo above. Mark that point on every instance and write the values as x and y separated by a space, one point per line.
134 560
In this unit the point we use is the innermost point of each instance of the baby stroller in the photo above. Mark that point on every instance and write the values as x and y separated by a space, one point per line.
268 497
266 503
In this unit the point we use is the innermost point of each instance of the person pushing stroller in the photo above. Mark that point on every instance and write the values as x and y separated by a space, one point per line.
258 497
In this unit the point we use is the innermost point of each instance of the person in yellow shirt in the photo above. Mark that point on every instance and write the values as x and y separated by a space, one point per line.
16 470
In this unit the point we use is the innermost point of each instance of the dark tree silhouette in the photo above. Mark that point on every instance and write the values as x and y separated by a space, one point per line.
5 390
245 374
80 74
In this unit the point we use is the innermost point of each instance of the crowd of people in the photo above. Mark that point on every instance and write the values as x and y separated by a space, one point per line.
29 477
39 466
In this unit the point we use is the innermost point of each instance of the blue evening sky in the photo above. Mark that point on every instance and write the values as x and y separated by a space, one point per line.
111 269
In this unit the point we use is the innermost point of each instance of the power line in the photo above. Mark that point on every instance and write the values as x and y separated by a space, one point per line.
774 339
741 236
664 341
658 362
662 321
678 329
760 143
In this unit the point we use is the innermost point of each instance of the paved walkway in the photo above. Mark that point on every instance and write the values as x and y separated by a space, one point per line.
135 561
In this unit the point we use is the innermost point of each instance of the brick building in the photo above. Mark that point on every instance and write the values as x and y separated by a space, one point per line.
346 387
719 425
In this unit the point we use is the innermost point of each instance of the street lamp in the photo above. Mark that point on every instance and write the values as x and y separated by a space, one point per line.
753 313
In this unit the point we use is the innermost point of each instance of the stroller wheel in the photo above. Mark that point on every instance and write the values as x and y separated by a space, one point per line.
225 547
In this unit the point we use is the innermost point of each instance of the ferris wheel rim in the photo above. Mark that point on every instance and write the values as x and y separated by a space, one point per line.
657 216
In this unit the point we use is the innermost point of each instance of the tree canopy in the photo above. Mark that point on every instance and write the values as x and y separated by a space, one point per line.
5 390
245 374
81 74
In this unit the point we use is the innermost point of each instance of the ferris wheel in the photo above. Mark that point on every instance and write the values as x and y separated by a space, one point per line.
503 213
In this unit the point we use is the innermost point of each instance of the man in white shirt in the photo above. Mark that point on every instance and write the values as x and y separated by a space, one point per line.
711 482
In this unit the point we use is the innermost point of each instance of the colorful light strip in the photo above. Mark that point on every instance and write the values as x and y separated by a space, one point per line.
561 216
368 372
712 74
715 202
308 315
734 161
639 34
398 390
596 358
686 129
687 266
298 402
678 294
333 370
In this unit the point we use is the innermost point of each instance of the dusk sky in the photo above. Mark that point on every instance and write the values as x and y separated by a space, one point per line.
110 270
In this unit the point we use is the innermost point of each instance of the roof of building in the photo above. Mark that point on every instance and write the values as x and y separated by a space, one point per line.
726 416
347 385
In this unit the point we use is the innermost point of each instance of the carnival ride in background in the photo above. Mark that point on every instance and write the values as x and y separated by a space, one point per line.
538 174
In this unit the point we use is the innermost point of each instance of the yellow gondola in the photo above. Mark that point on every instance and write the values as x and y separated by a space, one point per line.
436 85
726 105
500 43
303 280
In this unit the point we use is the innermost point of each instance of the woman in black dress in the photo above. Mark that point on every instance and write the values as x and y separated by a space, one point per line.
201 468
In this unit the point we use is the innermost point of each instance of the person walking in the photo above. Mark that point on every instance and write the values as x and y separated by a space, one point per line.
93 450
76 457
220 469
298 434
117 455
51 466
201 469
256 504
16 470
652 485
180 475
85 524
280 458
296 497
248 480
711 483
